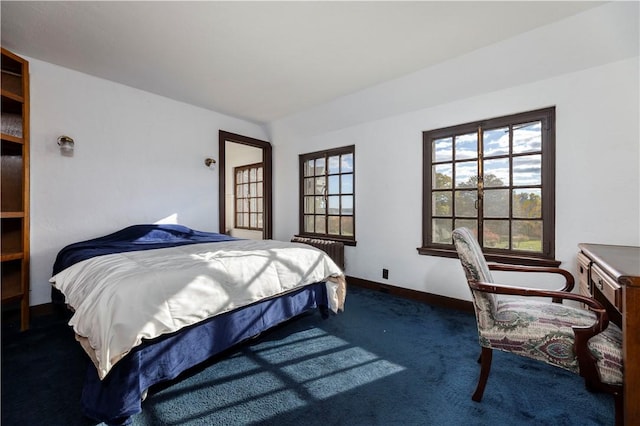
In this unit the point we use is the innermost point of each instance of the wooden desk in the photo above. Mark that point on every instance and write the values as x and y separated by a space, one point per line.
620 265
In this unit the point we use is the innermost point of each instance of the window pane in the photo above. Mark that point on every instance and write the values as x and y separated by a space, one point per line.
527 137
346 207
308 204
320 225
260 222
527 170
309 170
472 224
253 220
259 189
239 220
252 190
252 175
334 184
320 205
495 142
238 205
467 174
319 167
321 185
527 235
346 165
527 203
334 164
496 203
442 176
245 219
496 234
442 231
466 146
309 222
334 204
465 203
347 184
442 203
334 225
245 205
347 225
245 175
253 205
245 190
239 177
259 207
308 186
260 173
442 149
496 173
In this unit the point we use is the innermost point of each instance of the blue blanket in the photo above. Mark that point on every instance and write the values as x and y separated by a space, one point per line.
132 238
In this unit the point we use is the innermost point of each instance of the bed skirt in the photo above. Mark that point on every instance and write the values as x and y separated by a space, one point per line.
119 396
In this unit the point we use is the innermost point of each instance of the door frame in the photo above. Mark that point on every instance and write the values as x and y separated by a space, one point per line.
267 188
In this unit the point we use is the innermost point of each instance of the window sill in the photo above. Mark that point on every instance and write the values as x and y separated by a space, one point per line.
511 259
344 241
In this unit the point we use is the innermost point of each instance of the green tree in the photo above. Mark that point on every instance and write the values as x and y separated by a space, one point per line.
443 181
527 205
442 199
490 180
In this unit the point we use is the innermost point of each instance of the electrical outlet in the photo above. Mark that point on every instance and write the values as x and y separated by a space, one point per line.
385 274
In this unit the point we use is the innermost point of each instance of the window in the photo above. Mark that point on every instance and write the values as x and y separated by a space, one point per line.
496 177
249 201
327 198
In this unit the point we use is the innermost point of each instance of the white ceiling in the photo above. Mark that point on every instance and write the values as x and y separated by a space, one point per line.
263 60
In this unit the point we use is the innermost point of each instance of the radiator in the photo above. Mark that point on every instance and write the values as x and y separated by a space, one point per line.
334 249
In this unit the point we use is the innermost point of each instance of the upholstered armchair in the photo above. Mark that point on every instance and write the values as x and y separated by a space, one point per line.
515 319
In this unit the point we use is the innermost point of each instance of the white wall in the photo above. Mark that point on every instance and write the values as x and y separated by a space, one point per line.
139 158
596 94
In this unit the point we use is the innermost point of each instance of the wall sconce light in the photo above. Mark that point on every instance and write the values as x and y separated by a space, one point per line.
66 145
210 163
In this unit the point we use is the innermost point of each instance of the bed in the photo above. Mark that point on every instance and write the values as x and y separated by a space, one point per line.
151 301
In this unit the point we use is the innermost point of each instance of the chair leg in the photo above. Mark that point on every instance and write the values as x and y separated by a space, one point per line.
485 367
619 404
591 387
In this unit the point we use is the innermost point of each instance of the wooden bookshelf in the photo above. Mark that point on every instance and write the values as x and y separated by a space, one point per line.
14 184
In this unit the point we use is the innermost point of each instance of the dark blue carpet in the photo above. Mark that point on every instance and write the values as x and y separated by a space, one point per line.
384 361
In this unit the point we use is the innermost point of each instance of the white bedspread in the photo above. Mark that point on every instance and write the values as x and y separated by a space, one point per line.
120 299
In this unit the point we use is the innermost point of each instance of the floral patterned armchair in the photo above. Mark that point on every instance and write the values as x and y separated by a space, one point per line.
579 340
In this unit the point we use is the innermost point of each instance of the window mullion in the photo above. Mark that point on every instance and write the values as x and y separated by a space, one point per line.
480 187
511 187
326 194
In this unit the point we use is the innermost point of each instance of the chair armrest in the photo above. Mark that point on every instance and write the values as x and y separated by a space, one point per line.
586 361
593 304
568 277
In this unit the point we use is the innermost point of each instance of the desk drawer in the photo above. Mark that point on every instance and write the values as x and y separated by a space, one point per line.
607 286
584 283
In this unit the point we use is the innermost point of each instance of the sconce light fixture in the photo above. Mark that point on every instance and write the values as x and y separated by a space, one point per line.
210 163
66 145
